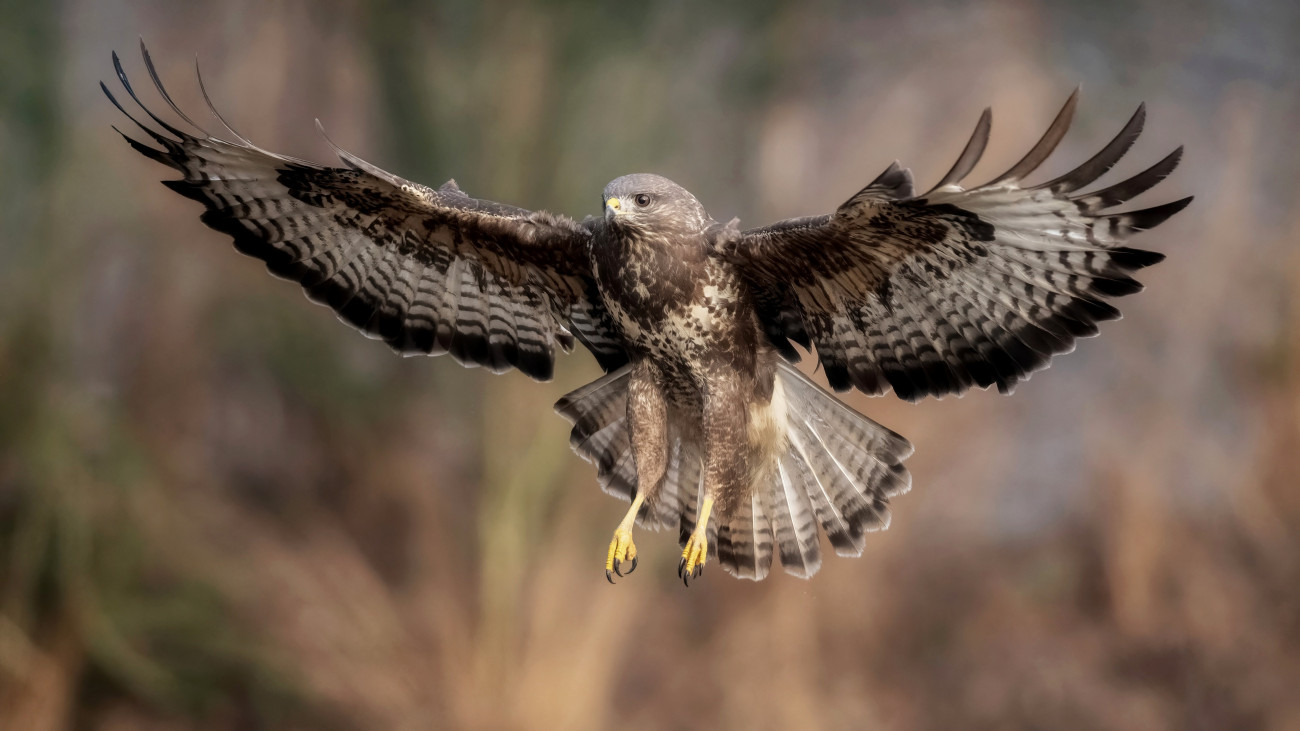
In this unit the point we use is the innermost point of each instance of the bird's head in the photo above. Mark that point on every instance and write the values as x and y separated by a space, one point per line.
646 202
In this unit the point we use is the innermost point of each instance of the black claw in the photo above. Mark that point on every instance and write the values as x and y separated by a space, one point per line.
632 566
685 575
618 569
608 576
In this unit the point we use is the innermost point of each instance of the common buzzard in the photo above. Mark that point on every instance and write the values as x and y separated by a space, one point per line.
700 420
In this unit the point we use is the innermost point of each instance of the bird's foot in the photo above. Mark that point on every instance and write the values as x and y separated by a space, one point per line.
622 554
696 552
693 558
622 551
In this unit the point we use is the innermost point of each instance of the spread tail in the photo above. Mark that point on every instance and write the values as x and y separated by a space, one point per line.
829 466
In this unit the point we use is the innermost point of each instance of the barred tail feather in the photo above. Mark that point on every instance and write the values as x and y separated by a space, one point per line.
795 522
836 468
745 539
598 412
832 467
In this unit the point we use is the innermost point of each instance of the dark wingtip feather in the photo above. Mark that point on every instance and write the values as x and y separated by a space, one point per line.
1132 187
1096 309
1119 286
203 89
126 84
1149 218
1045 145
1098 164
157 155
970 154
120 108
157 82
1130 258
357 163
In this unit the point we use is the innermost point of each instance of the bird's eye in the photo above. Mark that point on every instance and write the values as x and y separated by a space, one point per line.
642 200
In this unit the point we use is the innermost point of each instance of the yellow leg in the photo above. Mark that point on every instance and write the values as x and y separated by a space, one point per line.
621 548
697 546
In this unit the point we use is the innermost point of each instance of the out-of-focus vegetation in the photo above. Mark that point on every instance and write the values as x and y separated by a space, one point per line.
219 508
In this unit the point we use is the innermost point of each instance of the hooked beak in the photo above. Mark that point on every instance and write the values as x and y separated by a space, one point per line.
612 208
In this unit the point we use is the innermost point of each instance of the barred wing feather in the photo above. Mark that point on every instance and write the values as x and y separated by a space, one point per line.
427 271
933 294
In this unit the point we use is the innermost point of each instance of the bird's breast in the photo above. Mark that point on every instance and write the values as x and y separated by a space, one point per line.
674 304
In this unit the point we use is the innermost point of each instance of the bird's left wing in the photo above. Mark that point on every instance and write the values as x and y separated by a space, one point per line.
931 294
427 271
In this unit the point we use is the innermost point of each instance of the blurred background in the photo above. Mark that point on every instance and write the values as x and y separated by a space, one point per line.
222 509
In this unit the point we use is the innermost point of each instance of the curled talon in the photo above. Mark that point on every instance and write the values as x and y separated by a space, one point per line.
695 553
694 573
621 548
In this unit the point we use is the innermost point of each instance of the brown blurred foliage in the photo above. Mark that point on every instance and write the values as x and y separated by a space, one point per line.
220 509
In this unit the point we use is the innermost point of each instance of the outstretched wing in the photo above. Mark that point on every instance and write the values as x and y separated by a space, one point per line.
932 294
427 271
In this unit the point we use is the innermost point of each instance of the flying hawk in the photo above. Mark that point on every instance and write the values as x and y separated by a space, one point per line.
700 420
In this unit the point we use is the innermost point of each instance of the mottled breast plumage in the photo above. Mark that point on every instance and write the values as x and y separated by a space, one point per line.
674 300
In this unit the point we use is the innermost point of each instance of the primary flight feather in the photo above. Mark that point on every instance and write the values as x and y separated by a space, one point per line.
701 421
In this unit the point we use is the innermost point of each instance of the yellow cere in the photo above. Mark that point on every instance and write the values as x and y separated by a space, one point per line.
613 203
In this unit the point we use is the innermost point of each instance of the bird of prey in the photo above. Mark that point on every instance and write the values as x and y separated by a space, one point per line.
701 421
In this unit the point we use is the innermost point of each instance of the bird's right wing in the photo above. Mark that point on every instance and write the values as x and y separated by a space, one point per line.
427 271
